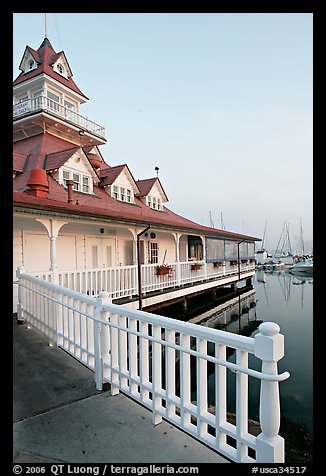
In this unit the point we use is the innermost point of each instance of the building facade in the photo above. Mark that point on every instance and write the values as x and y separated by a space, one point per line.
85 224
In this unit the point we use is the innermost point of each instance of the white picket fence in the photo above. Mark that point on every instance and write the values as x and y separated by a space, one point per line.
150 358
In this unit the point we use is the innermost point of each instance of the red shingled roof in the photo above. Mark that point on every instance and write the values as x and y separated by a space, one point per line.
146 185
45 57
57 159
19 160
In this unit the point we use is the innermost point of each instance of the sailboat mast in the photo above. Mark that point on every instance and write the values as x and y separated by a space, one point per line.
302 242
264 235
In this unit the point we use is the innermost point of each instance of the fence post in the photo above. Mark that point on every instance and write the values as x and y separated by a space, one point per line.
101 337
269 347
20 313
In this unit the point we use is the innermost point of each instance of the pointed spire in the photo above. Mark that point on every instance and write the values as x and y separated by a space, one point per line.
46 25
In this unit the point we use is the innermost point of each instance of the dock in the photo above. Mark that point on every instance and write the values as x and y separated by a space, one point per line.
60 417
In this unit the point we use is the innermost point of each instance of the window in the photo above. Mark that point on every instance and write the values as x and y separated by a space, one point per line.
154 202
37 99
53 102
69 109
153 252
76 180
60 68
31 64
115 192
81 183
86 184
122 194
65 177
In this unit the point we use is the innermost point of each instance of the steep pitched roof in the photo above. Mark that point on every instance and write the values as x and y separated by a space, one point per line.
57 159
45 57
37 148
109 175
19 160
146 185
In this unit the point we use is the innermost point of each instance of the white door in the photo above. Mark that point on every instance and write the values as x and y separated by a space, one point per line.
100 252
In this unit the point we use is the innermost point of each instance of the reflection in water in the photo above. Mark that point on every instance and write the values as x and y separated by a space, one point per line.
284 298
238 315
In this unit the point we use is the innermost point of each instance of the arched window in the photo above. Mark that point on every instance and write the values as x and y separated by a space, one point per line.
60 68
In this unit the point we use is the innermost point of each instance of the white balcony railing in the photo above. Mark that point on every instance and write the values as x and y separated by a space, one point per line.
122 281
163 364
43 103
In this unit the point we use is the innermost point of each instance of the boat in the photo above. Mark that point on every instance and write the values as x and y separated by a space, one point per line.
304 266
284 250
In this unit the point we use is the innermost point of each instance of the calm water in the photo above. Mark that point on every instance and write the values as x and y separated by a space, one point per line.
286 300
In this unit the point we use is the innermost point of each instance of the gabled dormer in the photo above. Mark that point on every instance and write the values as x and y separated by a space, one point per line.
29 61
72 164
60 65
119 183
152 193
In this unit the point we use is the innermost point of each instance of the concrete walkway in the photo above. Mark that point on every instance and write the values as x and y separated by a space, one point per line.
59 416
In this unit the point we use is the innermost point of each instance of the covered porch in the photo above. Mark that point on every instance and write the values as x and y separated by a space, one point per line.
91 256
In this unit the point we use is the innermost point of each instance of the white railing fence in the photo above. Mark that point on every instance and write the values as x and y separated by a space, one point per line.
156 360
121 281
49 105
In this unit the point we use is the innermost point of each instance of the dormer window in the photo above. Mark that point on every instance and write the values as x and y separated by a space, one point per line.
122 193
81 183
154 202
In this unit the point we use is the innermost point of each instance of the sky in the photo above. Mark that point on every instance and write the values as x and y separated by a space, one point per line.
222 103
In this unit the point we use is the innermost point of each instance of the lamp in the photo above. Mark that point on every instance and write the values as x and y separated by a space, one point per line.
81 132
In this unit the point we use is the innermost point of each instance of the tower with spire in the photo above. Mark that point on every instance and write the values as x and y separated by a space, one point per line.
46 99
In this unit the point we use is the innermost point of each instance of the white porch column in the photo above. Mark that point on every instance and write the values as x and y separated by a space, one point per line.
205 265
133 231
52 227
177 237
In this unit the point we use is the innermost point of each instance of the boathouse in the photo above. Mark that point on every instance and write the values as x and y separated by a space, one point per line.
89 225
94 248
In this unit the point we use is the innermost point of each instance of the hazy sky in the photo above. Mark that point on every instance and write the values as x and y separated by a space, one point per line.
222 103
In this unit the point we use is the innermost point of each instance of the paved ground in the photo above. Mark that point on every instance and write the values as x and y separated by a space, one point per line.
59 416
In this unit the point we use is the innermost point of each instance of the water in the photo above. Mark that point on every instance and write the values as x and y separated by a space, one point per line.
278 297
287 300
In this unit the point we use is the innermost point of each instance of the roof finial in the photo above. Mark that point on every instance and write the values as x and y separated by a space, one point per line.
157 169
46 25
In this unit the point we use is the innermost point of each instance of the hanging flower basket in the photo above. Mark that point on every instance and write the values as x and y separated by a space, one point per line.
196 266
162 269
217 264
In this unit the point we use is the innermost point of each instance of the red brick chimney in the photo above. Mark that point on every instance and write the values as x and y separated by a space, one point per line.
70 184
37 183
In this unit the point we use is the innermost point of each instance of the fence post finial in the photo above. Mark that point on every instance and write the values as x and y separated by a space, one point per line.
269 347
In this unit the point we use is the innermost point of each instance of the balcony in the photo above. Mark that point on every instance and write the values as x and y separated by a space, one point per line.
47 105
